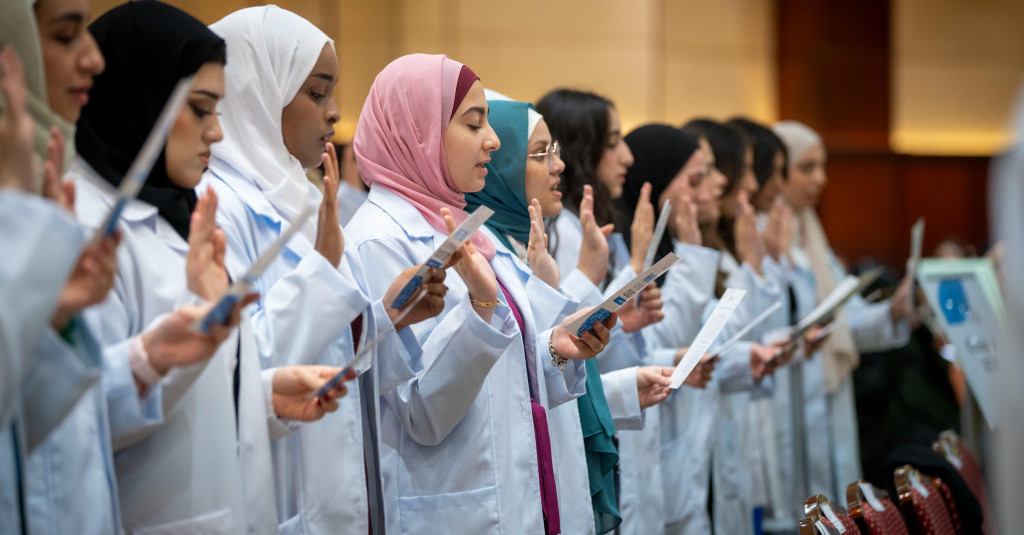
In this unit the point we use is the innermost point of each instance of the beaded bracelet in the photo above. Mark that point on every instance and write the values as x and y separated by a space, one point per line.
556 360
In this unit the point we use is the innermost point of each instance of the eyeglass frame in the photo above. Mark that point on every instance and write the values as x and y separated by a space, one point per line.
552 151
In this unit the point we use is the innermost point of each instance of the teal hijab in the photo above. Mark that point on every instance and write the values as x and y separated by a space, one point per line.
505 187
505 193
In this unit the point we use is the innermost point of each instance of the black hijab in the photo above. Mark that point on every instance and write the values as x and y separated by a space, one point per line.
148 47
659 152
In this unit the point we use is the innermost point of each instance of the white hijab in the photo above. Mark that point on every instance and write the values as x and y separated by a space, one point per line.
270 53
839 352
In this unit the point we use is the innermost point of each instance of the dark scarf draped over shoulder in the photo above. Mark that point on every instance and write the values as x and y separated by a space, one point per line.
148 46
659 152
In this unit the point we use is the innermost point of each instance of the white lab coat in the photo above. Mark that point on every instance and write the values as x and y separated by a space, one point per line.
42 242
568 456
640 497
685 422
196 471
830 419
303 316
457 446
733 461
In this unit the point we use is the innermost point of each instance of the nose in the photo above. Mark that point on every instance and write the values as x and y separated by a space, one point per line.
91 59
558 165
333 114
491 141
214 133
625 155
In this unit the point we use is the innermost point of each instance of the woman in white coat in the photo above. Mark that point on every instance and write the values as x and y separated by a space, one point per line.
827 385
278 118
212 441
464 444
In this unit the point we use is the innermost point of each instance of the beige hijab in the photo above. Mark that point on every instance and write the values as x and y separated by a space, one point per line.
839 352
18 28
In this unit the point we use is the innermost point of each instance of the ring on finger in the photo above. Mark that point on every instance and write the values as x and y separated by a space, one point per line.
530 245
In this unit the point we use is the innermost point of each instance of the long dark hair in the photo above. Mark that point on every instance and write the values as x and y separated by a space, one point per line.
579 121
730 146
766 146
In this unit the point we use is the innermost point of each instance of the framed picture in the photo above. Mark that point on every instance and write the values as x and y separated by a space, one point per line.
965 297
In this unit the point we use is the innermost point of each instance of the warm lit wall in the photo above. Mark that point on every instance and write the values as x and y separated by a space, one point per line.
957 67
659 60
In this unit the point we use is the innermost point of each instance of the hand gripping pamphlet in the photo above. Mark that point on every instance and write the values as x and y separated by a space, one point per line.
721 313
443 253
743 332
411 291
143 164
659 231
842 293
220 312
621 297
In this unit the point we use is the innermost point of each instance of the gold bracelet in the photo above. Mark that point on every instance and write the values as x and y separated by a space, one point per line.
485 304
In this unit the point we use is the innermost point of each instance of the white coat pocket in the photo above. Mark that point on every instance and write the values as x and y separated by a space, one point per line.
473 511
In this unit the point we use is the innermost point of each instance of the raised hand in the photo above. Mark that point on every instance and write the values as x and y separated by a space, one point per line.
294 389
16 126
568 346
204 264
652 385
749 246
642 230
684 221
593 261
901 305
330 242
90 280
173 342
429 306
777 232
541 262
54 187
475 272
643 311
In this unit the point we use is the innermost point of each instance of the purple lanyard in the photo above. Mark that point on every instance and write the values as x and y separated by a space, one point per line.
548 493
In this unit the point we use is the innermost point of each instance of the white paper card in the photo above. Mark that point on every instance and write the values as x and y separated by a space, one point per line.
659 232
743 332
443 253
621 297
842 293
708 332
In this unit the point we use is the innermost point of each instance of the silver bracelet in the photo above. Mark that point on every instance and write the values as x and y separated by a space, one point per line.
555 359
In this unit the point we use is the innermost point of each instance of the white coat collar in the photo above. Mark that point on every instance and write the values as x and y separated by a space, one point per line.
100 198
402 212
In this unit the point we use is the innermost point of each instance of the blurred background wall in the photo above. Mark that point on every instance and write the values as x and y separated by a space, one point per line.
911 96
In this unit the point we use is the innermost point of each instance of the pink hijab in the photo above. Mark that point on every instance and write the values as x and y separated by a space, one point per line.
398 142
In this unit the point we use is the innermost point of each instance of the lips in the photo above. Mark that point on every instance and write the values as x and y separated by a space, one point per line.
80 94
205 157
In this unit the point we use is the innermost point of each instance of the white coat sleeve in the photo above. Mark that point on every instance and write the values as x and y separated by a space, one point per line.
432 388
550 307
689 285
42 244
59 375
581 288
304 313
623 399
872 325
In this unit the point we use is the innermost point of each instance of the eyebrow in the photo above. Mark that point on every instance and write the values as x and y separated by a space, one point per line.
324 76
68 17
206 93
476 109
541 143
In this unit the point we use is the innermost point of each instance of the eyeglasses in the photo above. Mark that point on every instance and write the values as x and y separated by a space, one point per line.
552 151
